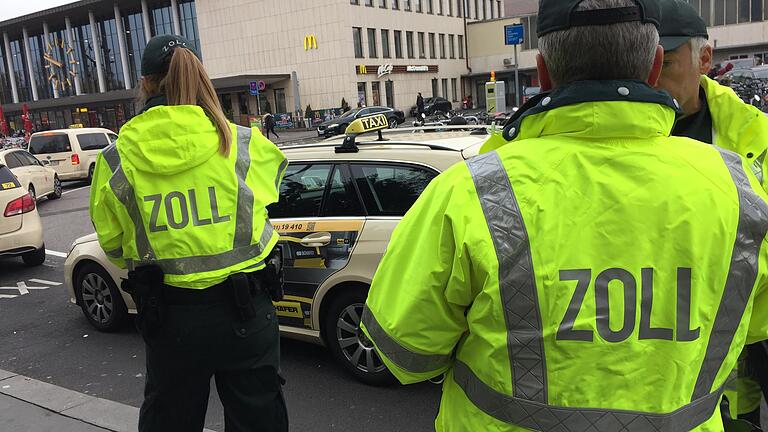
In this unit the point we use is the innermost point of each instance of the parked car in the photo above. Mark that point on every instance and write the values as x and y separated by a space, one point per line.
335 215
71 152
21 232
433 105
338 125
37 179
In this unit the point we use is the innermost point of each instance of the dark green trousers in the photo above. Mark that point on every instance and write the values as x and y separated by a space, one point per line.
200 341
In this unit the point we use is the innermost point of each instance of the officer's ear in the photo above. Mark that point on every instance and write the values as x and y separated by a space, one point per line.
658 63
544 79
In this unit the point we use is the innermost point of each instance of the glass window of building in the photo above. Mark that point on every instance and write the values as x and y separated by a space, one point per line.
445 88
477 9
531 40
59 48
498 9
354 2
493 10
362 96
398 44
37 49
719 12
357 37
731 11
86 63
461 46
430 6
419 6
389 90
442 45
422 46
459 8
162 21
455 89
407 5
372 43
432 53
110 55
383 4
409 43
20 71
369 3
450 7
6 97
452 45
135 41
435 86
744 10
396 4
757 10
376 93
188 20
385 44
706 11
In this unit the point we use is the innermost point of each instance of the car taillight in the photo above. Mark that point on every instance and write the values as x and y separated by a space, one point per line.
20 206
75 159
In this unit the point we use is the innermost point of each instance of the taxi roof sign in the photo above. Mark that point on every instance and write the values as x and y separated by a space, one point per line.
364 125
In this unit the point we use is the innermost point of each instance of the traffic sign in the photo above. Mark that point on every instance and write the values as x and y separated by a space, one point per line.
254 87
262 85
513 34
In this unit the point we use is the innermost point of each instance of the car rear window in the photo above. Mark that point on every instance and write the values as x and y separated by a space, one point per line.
93 141
7 179
54 143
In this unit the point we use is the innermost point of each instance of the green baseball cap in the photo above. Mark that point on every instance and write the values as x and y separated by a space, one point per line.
159 49
555 15
679 23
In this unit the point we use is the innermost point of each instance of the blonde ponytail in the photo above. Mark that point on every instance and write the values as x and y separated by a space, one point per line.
187 83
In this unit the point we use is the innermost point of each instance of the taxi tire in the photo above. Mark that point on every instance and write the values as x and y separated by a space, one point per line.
335 310
34 258
119 316
56 194
91 171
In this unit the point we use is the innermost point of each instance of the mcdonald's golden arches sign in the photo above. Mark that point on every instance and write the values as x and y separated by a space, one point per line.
310 42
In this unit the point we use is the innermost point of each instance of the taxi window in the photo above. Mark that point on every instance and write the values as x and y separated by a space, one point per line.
54 143
342 198
7 179
93 141
12 161
390 190
302 190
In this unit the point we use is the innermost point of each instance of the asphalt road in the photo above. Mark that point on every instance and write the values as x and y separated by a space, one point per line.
45 337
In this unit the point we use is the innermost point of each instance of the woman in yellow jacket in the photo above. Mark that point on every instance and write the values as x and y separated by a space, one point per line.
180 201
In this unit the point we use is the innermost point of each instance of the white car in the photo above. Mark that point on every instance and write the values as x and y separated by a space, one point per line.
37 179
71 152
21 232
337 209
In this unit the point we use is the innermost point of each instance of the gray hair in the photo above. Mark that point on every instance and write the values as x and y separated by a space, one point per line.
616 51
697 44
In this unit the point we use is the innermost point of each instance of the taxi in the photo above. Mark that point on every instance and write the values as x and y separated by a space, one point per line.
339 202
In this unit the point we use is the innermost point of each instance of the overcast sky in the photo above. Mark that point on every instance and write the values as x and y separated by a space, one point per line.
12 9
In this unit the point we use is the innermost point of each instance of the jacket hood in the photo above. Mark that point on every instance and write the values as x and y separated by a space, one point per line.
739 127
169 139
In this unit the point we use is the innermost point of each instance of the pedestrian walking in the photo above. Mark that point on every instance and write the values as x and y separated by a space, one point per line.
419 105
595 274
269 125
179 200
713 114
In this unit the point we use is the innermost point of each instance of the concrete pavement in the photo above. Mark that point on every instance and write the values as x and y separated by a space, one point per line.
29 405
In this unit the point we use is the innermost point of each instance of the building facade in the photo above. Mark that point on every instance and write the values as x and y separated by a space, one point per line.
80 63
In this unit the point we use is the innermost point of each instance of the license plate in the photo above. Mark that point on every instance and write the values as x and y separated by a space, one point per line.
10 185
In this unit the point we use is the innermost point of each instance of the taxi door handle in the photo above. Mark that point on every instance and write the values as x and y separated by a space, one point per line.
317 239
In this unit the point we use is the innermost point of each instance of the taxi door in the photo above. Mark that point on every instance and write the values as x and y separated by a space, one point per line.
319 217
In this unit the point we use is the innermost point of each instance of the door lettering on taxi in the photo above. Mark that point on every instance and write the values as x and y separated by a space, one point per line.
188 210
628 283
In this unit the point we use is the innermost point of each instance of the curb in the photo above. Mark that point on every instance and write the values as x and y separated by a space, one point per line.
98 412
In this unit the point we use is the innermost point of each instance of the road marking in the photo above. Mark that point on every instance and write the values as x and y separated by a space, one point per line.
43 281
75 190
23 289
56 254
8 296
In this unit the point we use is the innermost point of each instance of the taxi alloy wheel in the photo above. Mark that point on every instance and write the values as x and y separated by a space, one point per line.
393 123
56 188
100 299
347 342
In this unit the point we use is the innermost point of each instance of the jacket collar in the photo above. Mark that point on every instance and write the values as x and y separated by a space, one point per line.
596 109
154 101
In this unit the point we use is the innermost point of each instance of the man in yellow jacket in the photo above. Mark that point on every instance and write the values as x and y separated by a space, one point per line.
595 274
713 114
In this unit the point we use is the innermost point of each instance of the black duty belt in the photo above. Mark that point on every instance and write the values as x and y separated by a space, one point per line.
219 293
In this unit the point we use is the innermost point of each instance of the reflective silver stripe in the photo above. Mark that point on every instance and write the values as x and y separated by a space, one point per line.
542 417
124 192
752 228
280 171
757 167
115 253
517 283
400 355
206 263
244 219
